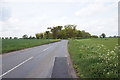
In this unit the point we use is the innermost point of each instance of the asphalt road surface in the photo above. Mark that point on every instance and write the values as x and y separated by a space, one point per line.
36 62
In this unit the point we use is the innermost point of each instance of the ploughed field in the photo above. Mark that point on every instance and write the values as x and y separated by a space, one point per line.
95 58
9 45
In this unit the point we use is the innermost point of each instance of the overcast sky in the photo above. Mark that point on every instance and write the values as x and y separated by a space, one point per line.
19 17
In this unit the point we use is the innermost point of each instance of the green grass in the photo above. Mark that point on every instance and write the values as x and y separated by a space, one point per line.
9 45
95 58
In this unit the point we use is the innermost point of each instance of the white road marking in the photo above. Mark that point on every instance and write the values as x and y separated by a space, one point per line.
15 67
65 55
47 48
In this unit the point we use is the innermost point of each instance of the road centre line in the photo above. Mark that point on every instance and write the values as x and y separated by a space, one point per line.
47 48
20 64
16 67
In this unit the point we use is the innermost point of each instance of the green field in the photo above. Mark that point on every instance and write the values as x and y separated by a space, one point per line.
95 58
9 45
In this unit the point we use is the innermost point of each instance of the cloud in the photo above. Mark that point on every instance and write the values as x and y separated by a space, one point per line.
98 26
92 10
94 16
13 20
18 27
98 18
10 27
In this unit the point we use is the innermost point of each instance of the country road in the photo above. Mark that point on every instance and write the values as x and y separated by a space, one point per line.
36 62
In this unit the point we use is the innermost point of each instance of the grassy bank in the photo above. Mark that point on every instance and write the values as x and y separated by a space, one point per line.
95 58
9 45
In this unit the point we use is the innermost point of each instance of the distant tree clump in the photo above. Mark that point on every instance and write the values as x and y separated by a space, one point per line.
10 37
39 35
47 34
94 36
55 31
69 31
15 37
103 35
62 32
114 36
30 37
2 37
6 37
25 36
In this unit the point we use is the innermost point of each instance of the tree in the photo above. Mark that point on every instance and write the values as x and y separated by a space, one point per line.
69 26
50 36
6 37
10 37
41 35
47 34
30 37
114 36
64 34
79 33
25 36
94 36
70 30
103 35
55 31
33 37
110 36
15 37
2 37
83 34
87 35
37 36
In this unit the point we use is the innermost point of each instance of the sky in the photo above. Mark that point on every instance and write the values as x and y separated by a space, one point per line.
19 17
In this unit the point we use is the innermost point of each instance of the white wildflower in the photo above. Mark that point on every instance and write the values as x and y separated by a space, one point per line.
108 73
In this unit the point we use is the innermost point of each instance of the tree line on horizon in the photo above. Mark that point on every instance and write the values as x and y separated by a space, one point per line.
65 32
61 32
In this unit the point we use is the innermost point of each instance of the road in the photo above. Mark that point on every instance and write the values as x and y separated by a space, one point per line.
36 62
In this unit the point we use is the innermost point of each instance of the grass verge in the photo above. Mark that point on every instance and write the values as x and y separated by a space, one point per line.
95 58
9 45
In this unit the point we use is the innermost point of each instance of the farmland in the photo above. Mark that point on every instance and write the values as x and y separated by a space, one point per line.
9 45
95 58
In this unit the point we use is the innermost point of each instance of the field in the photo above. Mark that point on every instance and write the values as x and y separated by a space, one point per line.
95 58
9 45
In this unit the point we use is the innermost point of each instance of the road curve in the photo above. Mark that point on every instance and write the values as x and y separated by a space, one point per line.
36 62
